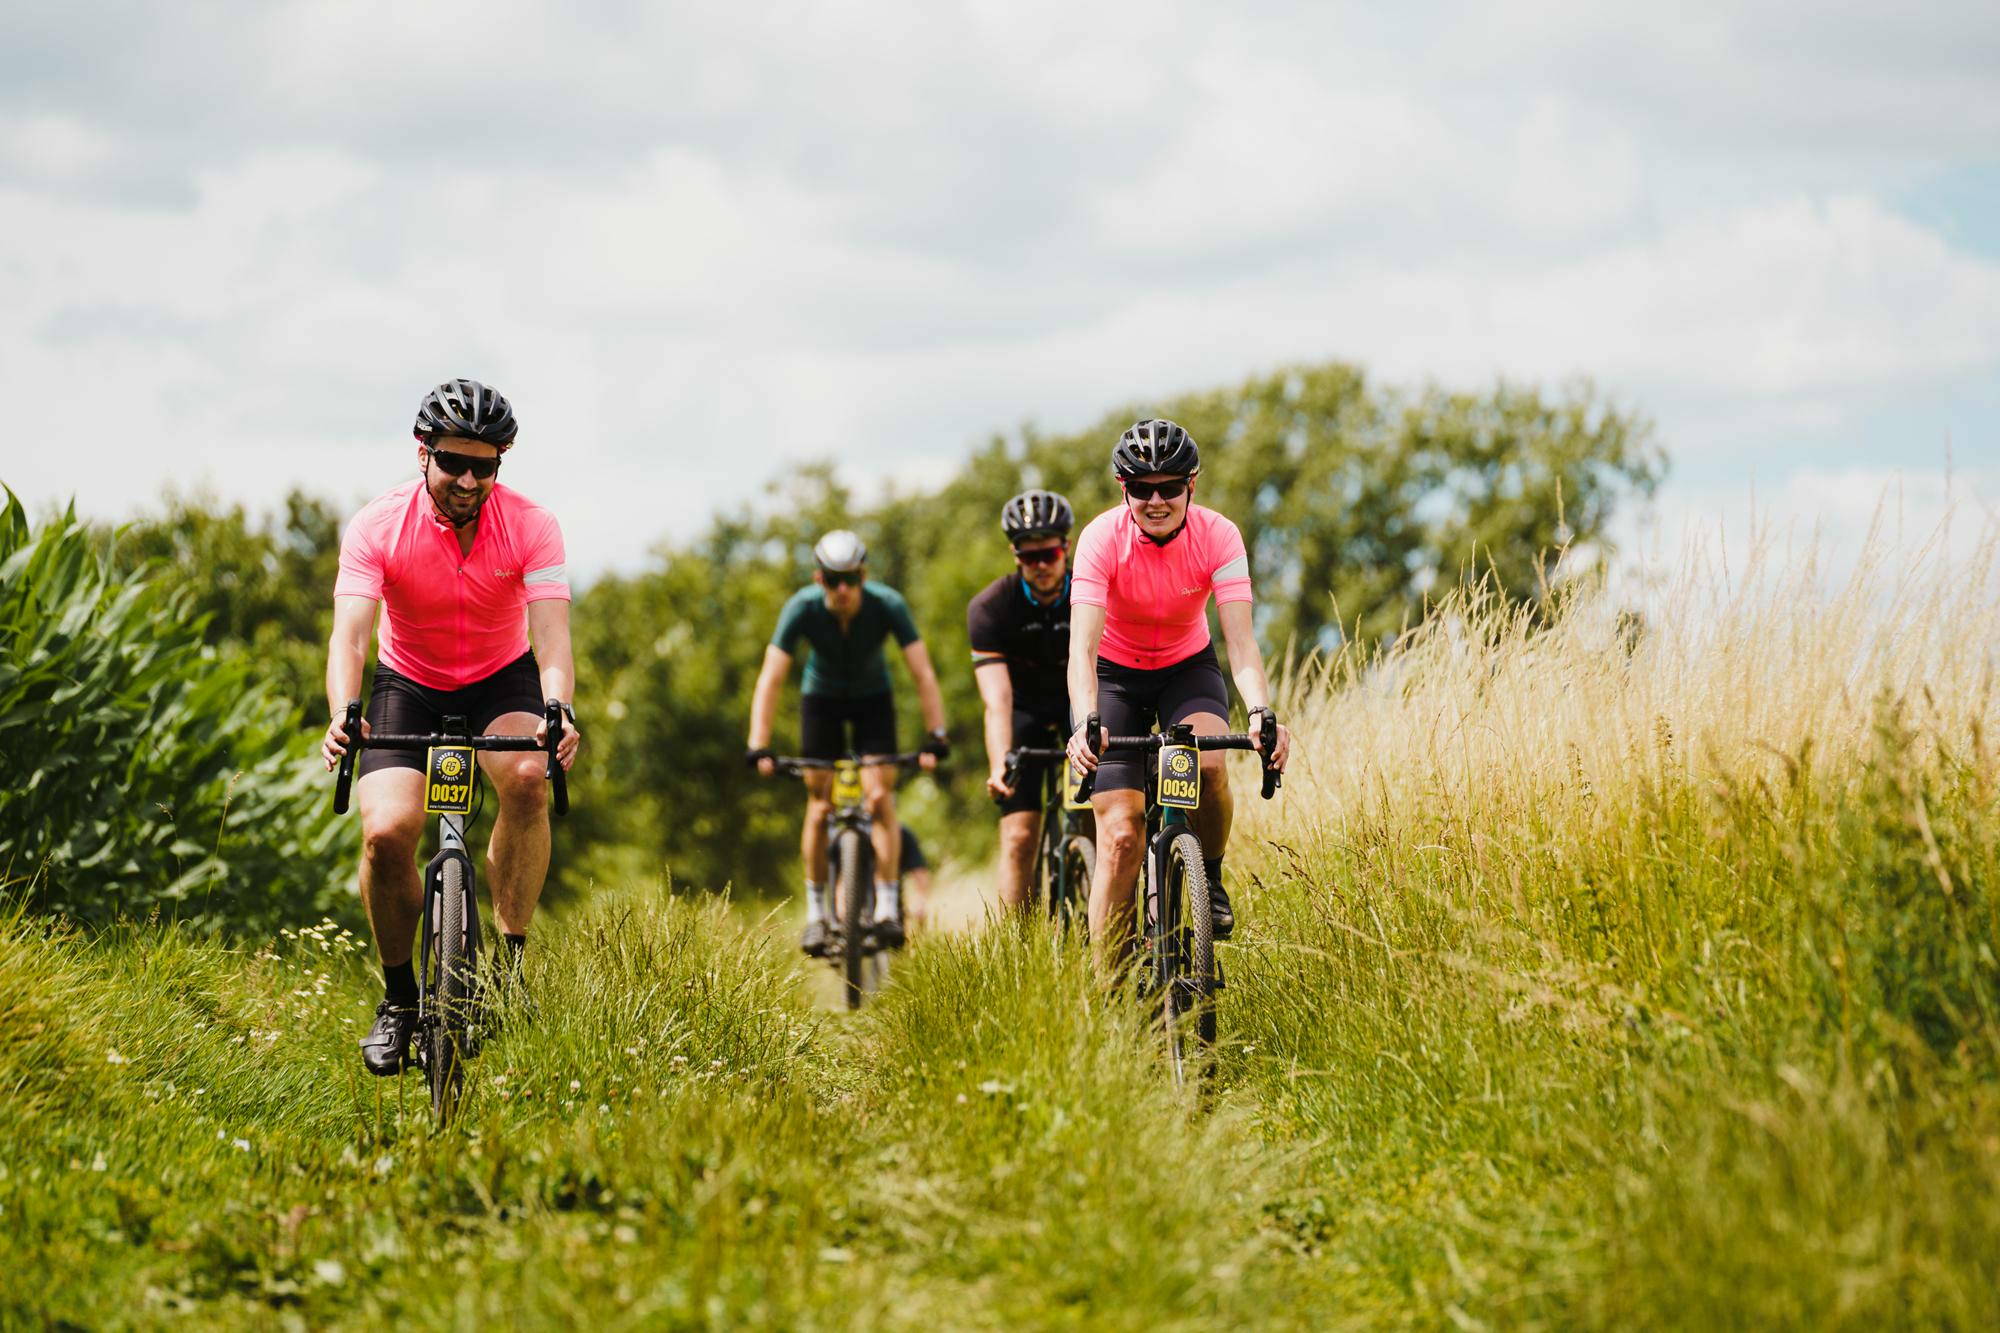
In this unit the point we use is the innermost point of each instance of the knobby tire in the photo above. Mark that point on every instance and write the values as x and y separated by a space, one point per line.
451 989
857 895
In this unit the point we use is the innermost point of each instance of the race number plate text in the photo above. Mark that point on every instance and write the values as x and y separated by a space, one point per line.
448 780
846 783
1180 776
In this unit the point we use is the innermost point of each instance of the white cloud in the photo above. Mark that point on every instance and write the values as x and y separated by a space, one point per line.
697 244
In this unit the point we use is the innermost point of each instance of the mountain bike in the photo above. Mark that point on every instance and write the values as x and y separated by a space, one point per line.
1065 855
1176 939
449 941
861 959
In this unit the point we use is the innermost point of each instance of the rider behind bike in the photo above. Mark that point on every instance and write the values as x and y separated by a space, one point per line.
464 572
845 706
1140 654
1019 628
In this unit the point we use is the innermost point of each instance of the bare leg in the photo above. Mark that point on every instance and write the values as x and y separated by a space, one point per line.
1218 804
879 785
812 839
1121 845
1018 832
517 856
392 826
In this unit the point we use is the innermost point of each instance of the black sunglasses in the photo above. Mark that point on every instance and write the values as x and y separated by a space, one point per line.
456 465
833 580
1047 555
1165 490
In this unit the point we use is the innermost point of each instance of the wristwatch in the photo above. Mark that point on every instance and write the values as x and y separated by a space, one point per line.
568 713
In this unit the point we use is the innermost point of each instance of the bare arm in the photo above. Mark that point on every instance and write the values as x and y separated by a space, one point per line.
996 692
1086 630
1246 661
548 627
929 697
346 661
764 698
1246 664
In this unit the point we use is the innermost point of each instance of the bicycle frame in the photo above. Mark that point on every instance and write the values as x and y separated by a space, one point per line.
1059 823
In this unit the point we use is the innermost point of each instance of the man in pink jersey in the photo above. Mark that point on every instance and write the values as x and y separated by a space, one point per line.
1140 654
459 571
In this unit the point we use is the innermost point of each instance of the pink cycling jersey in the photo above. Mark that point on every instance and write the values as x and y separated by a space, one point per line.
449 620
1155 597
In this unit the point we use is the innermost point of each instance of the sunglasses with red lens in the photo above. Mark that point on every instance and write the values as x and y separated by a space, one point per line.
1047 555
457 465
1171 489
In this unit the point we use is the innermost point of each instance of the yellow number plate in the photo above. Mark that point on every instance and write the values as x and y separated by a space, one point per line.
448 780
1070 780
847 783
1180 776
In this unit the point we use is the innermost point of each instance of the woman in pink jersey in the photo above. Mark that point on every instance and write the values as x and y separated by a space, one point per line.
1140 655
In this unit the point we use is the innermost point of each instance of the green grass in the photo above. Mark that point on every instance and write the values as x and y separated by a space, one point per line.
1557 1004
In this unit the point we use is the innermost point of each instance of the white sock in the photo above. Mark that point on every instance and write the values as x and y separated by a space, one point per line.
888 900
815 901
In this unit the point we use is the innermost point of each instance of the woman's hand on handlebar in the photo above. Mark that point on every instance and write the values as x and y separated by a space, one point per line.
1281 753
334 743
1082 757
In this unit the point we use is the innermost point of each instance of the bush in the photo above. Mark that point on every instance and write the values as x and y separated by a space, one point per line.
144 773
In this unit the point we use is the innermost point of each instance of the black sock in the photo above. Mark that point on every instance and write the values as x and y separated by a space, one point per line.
516 946
1213 865
399 983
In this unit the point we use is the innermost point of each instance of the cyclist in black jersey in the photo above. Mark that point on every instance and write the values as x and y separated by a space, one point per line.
1018 626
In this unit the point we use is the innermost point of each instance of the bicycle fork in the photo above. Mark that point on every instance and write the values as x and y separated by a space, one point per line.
451 839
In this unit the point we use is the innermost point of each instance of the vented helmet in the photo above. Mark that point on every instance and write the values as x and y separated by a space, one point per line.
1036 513
469 410
1155 445
840 552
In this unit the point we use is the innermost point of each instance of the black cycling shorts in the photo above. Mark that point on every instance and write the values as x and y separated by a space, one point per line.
1042 732
912 855
825 720
399 706
1130 701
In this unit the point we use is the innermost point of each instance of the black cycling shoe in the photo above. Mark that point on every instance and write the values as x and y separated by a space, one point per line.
1221 916
816 938
386 1048
888 932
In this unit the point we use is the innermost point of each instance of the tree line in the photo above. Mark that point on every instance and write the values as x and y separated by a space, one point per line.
1360 503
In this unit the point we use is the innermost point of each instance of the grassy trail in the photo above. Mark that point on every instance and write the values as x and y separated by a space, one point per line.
1584 981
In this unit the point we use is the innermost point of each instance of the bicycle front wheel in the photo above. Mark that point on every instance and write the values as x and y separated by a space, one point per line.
450 985
1072 882
857 896
1181 933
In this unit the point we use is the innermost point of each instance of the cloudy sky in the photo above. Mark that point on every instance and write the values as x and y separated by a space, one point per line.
697 244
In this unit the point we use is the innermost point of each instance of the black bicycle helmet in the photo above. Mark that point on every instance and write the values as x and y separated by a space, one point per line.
469 410
1036 513
1155 445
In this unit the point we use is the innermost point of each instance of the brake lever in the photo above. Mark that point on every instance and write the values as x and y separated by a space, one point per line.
553 715
351 726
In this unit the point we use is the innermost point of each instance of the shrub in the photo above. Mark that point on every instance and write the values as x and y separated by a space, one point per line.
144 773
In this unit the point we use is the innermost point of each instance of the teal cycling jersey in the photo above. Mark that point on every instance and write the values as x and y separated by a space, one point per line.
845 664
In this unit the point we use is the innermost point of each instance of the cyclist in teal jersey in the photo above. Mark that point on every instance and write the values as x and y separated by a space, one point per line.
845 705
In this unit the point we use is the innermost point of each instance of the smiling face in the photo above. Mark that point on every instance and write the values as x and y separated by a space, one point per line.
1158 513
458 498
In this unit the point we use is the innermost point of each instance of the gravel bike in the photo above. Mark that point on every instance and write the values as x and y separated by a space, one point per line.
1176 939
1065 855
449 941
854 951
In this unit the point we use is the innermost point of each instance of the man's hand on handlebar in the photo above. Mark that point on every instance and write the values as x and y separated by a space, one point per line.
996 785
760 758
334 743
565 748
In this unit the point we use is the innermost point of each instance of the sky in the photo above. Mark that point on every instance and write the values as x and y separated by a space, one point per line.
698 245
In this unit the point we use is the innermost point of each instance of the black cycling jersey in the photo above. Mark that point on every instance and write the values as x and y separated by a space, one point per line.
1006 623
